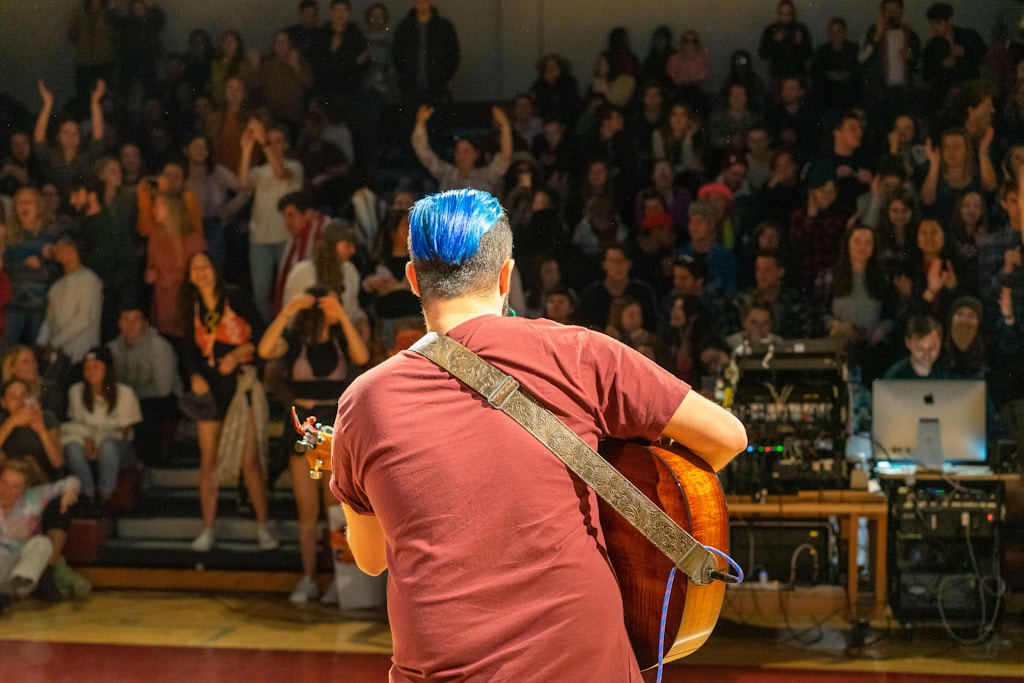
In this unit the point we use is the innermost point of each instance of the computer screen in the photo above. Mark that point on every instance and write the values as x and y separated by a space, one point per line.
928 422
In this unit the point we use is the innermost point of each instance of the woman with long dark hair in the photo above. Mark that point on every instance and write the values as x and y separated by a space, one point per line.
221 327
97 439
318 349
861 302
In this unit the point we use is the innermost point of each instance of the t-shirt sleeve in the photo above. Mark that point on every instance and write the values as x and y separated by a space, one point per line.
347 469
636 397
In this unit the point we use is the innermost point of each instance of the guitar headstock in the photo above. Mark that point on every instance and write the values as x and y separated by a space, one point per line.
315 441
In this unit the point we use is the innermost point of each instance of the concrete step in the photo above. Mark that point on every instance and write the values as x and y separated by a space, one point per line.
171 529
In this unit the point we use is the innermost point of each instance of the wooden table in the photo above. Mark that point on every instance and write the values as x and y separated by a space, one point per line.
848 506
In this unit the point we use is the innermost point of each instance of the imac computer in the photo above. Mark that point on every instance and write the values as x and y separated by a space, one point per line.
932 424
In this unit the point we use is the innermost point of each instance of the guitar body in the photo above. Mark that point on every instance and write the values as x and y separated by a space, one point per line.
689 492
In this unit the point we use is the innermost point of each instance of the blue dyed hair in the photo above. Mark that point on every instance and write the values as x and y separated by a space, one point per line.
447 226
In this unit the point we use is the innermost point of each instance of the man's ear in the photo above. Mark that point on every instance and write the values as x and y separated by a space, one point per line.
505 276
410 275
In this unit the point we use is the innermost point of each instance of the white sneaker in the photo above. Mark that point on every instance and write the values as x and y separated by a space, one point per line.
330 596
305 590
204 541
266 540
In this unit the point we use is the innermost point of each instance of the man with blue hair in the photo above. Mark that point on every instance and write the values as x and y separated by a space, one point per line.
496 557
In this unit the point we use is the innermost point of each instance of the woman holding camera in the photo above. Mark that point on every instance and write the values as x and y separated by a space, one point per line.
318 349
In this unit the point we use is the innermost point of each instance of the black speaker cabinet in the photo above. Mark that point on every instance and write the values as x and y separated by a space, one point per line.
792 552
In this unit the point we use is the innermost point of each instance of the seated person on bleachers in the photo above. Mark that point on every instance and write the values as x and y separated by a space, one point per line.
28 432
74 304
790 314
97 438
924 341
21 363
756 330
24 552
146 362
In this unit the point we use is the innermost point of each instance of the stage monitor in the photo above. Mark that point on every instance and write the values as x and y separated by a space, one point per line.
930 423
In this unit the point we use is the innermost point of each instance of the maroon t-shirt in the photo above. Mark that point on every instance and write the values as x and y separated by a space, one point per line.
495 554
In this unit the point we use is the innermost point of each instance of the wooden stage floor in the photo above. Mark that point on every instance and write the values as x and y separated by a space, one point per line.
154 636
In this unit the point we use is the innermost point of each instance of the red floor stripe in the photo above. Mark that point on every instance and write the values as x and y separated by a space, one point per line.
41 662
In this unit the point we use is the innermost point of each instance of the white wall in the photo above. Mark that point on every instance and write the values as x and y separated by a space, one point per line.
500 39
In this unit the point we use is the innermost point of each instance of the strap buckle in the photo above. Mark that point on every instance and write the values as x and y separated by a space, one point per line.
500 395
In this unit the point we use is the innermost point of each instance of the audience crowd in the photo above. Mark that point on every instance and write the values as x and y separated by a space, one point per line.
201 232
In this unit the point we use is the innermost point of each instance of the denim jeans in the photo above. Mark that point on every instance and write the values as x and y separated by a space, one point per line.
110 454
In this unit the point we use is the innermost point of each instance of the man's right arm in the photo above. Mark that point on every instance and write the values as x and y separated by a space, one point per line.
708 430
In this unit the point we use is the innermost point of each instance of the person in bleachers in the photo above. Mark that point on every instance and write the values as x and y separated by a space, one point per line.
282 80
963 346
788 309
109 249
92 32
464 172
786 44
596 298
904 144
230 62
755 326
859 303
704 243
889 54
97 438
792 121
681 141
145 361
891 178
305 225
954 168
21 363
132 164
303 34
171 181
526 124
742 72
968 229
897 227
999 254
28 239
269 182
835 71
555 90
18 168
952 56
924 342
387 294
781 194
729 125
675 199
30 433
687 70
609 141
758 156
426 55
695 349
74 304
224 126
216 188
65 158
25 554
935 282
647 116
319 344
816 230
172 243
846 160
560 306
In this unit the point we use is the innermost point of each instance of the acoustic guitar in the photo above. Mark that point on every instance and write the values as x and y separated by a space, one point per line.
685 489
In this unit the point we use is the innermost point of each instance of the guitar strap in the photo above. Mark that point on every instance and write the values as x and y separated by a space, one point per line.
504 393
